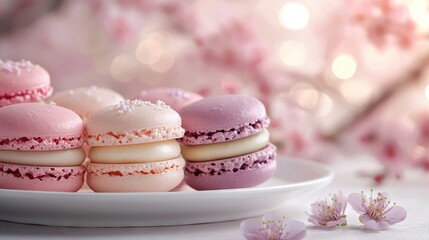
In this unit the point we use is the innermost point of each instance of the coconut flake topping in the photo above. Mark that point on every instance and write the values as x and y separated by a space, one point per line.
10 66
127 106
177 93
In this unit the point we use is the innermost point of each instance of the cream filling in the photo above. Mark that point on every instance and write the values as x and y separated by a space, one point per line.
209 152
58 158
135 153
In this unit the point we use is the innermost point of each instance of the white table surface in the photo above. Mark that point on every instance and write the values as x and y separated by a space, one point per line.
412 192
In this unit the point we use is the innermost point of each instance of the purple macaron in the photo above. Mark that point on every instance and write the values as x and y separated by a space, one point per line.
226 143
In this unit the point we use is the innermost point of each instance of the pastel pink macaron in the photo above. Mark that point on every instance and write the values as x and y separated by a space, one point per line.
226 143
174 97
23 81
41 148
86 100
134 148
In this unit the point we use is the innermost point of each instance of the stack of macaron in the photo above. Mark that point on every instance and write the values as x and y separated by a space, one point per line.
134 148
23 81
226 143
134 145
86 100
41 148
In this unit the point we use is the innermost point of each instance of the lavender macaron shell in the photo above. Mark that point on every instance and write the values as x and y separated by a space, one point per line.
238 172
222 118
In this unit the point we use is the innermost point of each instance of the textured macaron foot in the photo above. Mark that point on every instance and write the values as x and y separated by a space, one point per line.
160 176
30 95
238 172
137 183
237 132
24 177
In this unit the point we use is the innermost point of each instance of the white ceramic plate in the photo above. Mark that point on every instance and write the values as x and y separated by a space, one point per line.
87 209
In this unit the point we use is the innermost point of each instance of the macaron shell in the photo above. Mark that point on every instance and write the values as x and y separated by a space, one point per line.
145 177
132 183
59 179
174 97
85 101
21 76
36 126
221 112
133 122
238 172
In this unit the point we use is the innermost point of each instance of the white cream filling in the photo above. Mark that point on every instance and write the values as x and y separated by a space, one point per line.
58 158
135 153
209 152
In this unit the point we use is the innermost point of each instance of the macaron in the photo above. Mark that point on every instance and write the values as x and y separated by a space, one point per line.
226 143
134 148
22 82
41 148
174 97
87 100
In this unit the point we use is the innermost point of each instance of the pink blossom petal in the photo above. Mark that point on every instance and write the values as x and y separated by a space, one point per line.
395 215
364 218
355 200
315 220
375 225
250 229
294 230
340 222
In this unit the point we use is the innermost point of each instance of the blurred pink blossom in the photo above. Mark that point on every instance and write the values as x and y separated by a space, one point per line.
382 19
390 142
376 213
233 45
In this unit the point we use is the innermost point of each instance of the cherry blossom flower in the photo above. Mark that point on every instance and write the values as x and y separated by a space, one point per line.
325 213
272 227
376 213
382 19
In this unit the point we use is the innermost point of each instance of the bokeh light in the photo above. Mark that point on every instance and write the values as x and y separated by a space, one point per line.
294 15
344 66
164 64
356 92
427 91
419 11
149 51
124 68
293 53
305 95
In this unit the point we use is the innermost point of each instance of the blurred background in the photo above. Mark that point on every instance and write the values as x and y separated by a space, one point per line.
345 76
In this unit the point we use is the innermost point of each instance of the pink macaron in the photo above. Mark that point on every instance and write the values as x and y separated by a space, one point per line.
41 148
23 81
134 148
86 100
226 143
174 97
